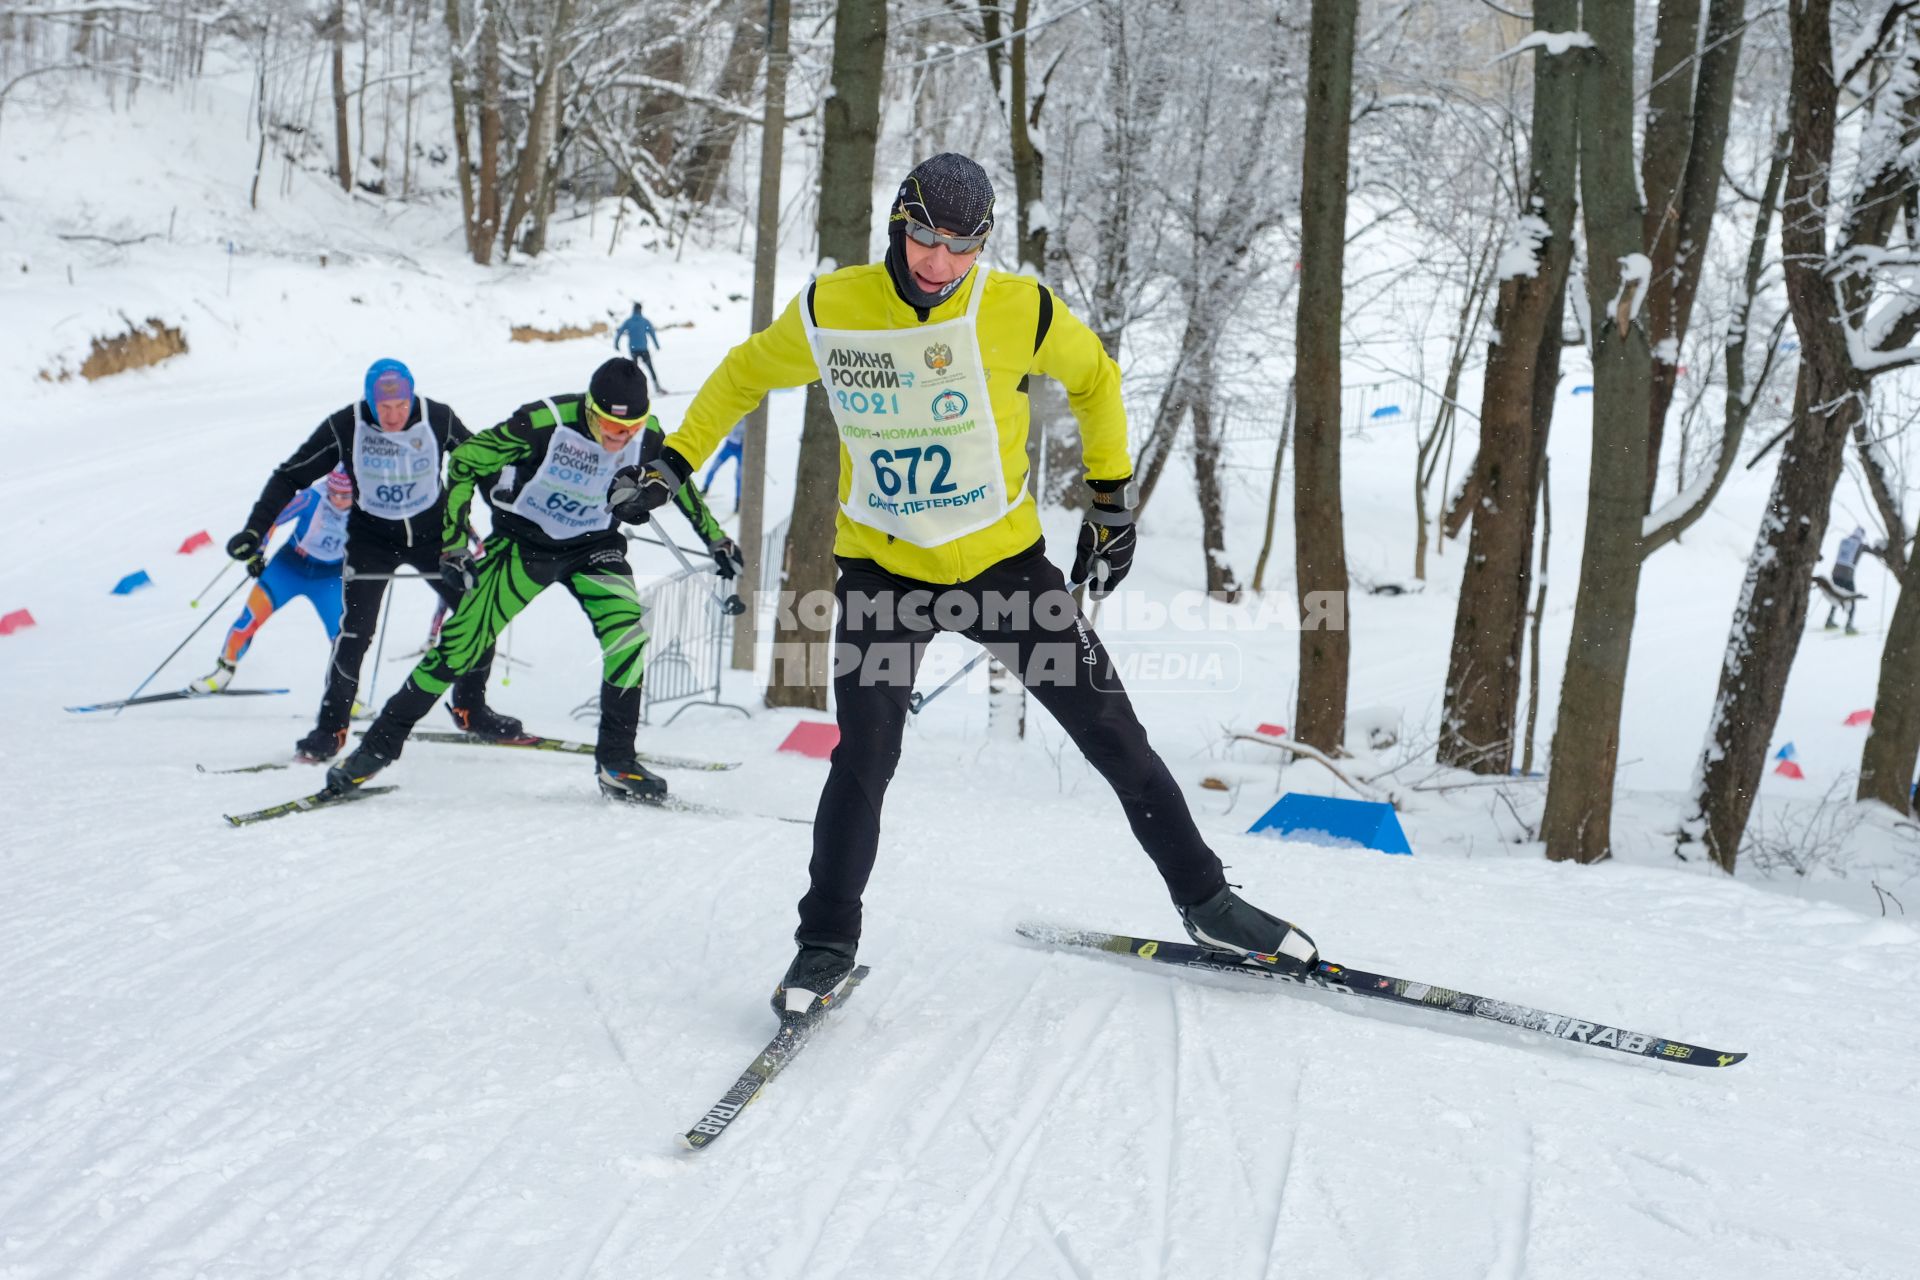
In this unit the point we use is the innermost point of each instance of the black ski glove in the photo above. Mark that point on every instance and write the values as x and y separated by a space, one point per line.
1105 550
456 568
727 558
636 492
244 546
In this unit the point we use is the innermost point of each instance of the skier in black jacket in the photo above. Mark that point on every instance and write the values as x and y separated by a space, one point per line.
391 442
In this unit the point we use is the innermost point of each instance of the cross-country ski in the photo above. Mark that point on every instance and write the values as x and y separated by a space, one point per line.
303 804
797 1026
176 695
1339 980
533 742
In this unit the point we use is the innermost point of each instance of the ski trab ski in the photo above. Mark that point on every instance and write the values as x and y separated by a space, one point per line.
533 742
178 695
1342 981
264 767
305 804
795 1030
679 804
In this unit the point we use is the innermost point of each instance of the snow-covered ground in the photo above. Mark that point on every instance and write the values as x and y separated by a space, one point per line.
450 1032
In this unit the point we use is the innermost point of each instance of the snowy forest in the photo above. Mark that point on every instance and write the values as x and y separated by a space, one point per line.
1389 286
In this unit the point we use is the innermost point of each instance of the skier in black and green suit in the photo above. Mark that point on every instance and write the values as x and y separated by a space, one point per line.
547 472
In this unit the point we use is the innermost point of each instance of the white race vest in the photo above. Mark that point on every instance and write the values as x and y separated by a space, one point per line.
396 474
914 415
567 496
325 540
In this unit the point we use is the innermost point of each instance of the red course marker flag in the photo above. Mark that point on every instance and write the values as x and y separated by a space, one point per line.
1271 730
815 738
18 620
1788 769
1861 717
194 543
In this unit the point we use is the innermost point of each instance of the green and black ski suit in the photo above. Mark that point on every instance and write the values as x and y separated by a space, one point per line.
546 478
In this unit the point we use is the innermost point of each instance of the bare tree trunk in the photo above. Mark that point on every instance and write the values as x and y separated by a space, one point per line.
1829 398
1663 158
711 146
1489 624
406 140
846 218
1427 455
1029 159
1887 760
366 52
1577 824
1539 614
1319 535
462 145
532 170
1175 399
766 249
1893 743
1273 492
260 111
343 146
1053 438
1220 581
1682 180
486 223
659 124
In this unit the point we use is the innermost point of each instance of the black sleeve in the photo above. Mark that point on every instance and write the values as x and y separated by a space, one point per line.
456 431
319 455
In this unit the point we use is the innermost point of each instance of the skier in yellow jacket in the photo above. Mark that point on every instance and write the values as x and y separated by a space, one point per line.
923 357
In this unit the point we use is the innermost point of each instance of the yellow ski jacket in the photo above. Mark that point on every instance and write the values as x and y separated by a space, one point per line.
864 298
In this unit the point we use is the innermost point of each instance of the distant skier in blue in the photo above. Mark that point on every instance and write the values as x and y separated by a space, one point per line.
639 332
730 448
1843 562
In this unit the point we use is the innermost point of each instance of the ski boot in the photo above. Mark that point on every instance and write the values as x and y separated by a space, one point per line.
484 722
1226 923
630 781
819 973
357 769
219 678
320 746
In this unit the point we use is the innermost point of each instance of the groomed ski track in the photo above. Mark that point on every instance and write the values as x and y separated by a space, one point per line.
385 1041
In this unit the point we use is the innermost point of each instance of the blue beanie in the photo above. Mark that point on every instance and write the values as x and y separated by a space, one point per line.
392 378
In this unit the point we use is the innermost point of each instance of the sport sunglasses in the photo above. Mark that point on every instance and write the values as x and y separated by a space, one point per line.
624 424
922 234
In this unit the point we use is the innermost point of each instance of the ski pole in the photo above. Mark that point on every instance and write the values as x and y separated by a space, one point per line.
379 647
183 644
350 576
195 602
915 701
732 605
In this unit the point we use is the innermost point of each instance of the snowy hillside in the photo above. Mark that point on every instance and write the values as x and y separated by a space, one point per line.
452 1031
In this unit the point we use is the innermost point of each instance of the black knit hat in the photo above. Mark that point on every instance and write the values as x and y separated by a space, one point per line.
949 191
618 391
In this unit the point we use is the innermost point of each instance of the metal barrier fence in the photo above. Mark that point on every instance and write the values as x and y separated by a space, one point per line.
688 637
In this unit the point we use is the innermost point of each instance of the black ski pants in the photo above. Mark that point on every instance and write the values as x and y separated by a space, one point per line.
1021 612
368 553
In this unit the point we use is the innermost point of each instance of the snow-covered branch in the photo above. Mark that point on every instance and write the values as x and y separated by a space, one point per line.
1552 43
1883 485
634 80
